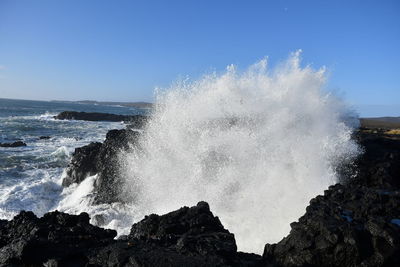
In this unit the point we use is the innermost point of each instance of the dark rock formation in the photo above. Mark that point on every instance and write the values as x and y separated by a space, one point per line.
44 137
379 165
102 159
348 226
83 163
136 120
15 144
354 224
188 230
109 184
56 237
186 237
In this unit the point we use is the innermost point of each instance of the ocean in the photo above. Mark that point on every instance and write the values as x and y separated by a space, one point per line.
30 176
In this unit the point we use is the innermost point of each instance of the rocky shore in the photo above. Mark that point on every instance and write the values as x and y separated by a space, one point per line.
355 223
133 120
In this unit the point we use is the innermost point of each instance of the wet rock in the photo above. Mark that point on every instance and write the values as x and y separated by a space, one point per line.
55 238
110 182
351 224
379 165
347 226
44 137
136 120
186 237
102 159
14 144
189 230
82 164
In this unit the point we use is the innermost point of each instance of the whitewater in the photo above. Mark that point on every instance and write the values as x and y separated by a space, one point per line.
257 145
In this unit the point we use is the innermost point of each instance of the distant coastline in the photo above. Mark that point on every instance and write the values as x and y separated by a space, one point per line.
139 104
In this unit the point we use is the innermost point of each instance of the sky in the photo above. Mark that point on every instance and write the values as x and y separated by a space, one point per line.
121 50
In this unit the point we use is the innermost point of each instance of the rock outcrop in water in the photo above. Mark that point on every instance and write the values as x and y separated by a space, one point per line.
102 159
14 144
135 120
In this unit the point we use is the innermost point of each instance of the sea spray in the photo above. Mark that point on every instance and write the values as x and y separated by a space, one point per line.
257 145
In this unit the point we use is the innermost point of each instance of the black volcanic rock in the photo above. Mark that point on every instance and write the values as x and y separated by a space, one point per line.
30 241
347 226
188 230
44 137
186 237
102 159
356 223
379 165
109 184
15 144
136 120
82 164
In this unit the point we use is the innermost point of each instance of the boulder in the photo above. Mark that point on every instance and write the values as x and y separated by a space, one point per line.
187 230
56 237
110 183
14 144
102 159
83 163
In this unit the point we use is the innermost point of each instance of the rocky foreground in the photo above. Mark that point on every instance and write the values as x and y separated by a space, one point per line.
355 223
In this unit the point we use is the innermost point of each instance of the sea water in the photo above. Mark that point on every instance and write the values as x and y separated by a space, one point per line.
30 177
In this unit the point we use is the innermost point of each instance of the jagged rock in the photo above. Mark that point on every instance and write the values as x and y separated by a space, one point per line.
353 224
379 165
102 159
186 237
82 164
347 226
189 230
56 237
14 144
110 183
136 120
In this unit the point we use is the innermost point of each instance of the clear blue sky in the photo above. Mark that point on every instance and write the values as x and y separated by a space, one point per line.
121 50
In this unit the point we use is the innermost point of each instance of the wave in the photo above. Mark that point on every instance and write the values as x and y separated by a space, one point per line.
257 145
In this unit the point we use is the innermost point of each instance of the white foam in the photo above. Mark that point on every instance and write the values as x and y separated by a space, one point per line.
79 198
38 193
256 145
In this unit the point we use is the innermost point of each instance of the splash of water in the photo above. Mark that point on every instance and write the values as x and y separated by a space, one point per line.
256 145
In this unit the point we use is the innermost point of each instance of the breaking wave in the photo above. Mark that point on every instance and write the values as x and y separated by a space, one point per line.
257 145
